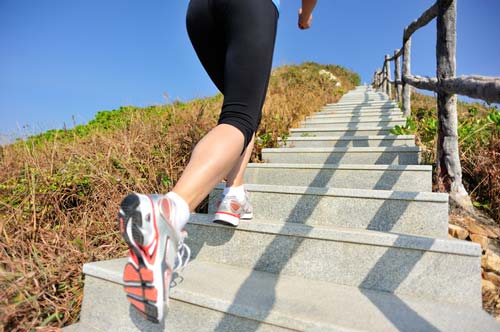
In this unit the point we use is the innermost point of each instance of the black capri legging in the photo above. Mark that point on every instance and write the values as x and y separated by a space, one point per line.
234 40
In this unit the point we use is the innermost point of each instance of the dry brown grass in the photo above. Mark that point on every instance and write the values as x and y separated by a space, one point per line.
59 193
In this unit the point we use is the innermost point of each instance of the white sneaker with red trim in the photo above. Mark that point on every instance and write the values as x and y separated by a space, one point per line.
157 250
230 210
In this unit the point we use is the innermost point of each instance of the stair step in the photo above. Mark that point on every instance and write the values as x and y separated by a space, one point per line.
76 328
217 297
417 213
378 177
363 97
380 261
355 117
352 123
347 141
346 236
399 155
380 103
192 306
365 131
352 102
360 108
361 112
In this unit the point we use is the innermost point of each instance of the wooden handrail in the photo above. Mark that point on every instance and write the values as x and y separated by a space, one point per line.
474 86
422 21
446 85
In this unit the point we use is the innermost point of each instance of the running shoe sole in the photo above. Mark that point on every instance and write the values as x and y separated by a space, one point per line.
229 219
147 273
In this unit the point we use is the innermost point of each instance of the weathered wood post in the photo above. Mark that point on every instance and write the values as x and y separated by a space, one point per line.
378 79
449 170
406 72
388 75
385 77
380 87
382 74
386 88
397 75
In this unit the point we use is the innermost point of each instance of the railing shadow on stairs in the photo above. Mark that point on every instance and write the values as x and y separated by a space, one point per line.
277 247
290 247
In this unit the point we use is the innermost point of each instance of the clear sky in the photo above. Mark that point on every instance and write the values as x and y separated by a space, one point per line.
62 61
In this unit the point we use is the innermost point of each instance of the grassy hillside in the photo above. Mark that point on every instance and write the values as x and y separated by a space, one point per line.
60 190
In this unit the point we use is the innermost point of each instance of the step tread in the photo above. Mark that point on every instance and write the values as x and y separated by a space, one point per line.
355 116
374 149
342 129
347 192
293 303
351 124
368 112
325 120
395 168
364 102
380 177
350 235
351 138
361 109
78 327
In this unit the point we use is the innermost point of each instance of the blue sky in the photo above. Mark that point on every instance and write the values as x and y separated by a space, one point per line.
62 61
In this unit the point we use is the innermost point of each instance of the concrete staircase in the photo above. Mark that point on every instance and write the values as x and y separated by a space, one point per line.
347 236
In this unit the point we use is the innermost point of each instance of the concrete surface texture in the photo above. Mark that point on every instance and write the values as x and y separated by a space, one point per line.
346 236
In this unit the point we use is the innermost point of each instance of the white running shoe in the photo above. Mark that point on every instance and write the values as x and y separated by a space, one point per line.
230 210
157 250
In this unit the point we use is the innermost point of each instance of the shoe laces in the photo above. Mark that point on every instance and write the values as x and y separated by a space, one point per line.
183 256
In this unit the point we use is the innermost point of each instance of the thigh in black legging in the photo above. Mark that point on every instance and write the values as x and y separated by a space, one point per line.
241 35
206 33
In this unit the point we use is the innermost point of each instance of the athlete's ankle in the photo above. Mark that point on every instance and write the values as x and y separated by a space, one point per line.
182 212
236 191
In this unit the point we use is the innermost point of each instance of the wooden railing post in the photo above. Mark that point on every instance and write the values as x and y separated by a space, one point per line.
449 170
382 76
376 80
380 86
388 75
384 79
397 76
379 79
406 72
